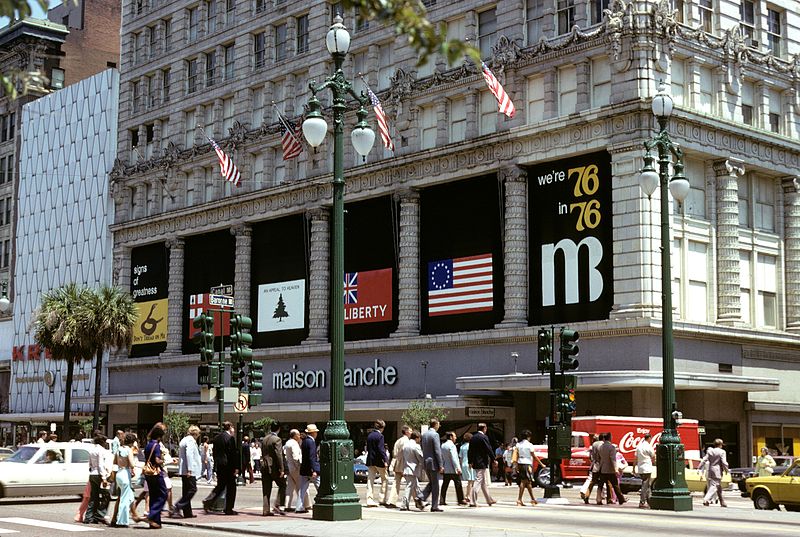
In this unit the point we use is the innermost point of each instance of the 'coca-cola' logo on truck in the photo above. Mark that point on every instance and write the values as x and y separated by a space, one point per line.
630 442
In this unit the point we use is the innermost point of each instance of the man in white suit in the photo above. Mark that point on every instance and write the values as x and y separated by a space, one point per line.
716 462
412 470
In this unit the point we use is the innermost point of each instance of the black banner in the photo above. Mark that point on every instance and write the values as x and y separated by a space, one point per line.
571 239
149 280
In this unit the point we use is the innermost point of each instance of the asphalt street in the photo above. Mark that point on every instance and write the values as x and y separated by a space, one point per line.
45 518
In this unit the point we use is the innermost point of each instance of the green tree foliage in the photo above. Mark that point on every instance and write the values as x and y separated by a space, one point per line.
410 19
261 426
177 424
57 326
420 412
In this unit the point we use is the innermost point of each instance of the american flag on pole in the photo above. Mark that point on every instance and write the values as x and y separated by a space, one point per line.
503 100
228 169
383 126
460 285
290 142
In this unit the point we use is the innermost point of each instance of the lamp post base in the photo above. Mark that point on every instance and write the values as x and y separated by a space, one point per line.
337 498
669 492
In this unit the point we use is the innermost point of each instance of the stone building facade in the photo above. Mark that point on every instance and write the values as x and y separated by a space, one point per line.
551 194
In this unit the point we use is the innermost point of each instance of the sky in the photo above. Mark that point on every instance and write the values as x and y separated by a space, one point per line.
37 11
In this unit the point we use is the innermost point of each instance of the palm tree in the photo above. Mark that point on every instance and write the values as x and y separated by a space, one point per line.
108 318
57 326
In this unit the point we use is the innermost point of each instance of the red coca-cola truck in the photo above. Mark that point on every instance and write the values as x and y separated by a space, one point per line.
626 432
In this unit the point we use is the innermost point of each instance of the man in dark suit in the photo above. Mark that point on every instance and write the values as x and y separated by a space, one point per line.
607 454
246 468
376 463
434 465
272 470
227 461
309 466
480 457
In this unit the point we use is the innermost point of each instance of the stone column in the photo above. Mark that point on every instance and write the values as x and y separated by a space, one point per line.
408 303
515 246
729 307
241 271
175 309
319 276
791 231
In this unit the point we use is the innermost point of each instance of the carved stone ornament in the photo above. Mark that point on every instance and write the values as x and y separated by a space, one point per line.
615 20
238 134
665 20
401 86
118 170
504 53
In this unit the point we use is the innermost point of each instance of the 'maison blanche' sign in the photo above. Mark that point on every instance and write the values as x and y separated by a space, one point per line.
354 377
571 239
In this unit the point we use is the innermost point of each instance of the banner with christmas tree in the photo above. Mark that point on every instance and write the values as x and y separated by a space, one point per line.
281 306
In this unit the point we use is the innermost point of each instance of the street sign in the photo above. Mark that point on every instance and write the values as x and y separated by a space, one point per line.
222 290
481 412
242 404
221 300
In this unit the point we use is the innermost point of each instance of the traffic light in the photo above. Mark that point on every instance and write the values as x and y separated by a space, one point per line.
205 337
237 375
545 359
569 349
241 341
254 384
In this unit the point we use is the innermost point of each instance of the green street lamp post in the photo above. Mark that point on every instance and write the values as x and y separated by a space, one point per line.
669 491
337 498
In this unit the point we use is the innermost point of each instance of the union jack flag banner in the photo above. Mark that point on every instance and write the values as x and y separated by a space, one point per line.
351 288
503 100
228 169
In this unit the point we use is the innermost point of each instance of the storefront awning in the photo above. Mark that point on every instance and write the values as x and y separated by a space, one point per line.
605 380
132 398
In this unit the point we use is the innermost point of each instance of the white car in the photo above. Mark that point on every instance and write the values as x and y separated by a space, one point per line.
53 469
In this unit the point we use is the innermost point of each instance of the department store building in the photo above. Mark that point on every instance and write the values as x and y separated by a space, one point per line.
549 201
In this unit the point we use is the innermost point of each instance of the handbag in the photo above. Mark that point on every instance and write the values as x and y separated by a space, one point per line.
515 456
150 469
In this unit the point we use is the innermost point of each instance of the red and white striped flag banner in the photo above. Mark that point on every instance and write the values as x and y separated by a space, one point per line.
227 168
503 100
383 125
290 139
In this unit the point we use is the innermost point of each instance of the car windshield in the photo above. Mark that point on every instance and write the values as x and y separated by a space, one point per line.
23 454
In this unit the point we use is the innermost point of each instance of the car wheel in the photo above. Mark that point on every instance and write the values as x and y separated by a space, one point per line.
762 500
542 476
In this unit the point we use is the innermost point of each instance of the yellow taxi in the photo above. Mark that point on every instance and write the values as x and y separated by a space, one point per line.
696 478
770 491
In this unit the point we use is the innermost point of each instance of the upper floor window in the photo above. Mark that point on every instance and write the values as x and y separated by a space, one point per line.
152 40
458 120
359 66
487 113
678 82
597 10
775 115
194 22
678 7
535 99
211 67
165 83
257 116
227 115
487 31
456 29
690 279
191 76
756 202
695 203
230 61
706 8
136 89
758 286
190 126
259 50
567 90
775 31
534 11
211 15
747 20
139 7
747 102
302 34
385 65
168 34
427 127
261 6
601 82
280 42
362 22
565 13
230 12
706 90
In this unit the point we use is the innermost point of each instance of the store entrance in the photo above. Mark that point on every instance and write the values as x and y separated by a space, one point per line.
729 433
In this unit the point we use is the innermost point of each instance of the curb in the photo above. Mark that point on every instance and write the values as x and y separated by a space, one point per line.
241 531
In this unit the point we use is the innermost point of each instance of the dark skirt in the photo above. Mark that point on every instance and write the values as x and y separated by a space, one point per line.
524 473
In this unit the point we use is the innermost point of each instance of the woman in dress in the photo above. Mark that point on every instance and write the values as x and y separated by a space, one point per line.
156 487
125 461
467 473
765 464
524 460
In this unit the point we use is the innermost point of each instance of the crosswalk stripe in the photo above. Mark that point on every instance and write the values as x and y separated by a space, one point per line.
46 524
3 531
